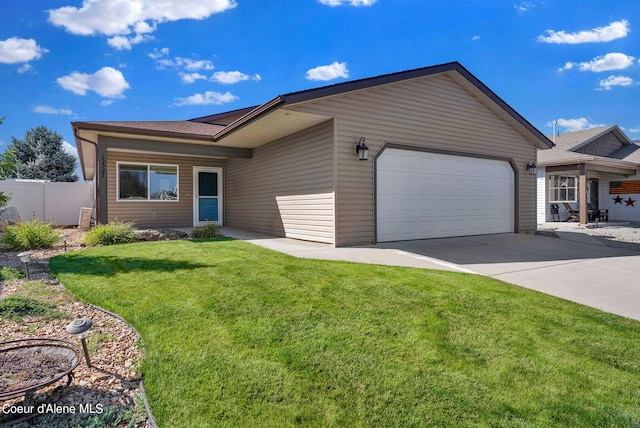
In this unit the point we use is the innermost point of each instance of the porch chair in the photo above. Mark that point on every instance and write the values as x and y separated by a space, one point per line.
573 214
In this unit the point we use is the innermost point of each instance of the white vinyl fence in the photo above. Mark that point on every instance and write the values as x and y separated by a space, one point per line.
58 203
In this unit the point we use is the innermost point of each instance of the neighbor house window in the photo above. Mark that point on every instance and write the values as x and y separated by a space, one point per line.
147 182
563 188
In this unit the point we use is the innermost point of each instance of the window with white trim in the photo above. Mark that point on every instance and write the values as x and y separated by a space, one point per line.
563 188
147 182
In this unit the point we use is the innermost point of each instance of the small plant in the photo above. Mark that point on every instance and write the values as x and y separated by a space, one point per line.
10 273
4 199
116 232
30 235
18 307
210 230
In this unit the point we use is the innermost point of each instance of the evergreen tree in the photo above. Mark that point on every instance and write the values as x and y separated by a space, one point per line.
8 163
40 156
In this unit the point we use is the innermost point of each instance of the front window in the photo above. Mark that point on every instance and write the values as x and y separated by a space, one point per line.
563 188
147 182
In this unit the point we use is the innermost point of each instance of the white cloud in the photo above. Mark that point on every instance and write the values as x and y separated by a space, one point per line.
107 82
209 97
328 72
192 77
161 57
126 43
50 110
613 31
611 81
137 17
571 125
610 61
70 149
157 54
25 68
15 50
348 2
232 77
525 6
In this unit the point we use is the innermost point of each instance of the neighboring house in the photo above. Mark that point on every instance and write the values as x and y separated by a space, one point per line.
596 167
446 157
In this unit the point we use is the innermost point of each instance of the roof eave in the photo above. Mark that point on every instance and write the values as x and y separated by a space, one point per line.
102 128
539 139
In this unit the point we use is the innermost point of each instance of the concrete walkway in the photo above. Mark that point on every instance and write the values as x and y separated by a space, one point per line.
575 267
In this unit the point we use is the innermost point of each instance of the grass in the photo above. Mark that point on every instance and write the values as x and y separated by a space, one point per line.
7 273
34 298
238 335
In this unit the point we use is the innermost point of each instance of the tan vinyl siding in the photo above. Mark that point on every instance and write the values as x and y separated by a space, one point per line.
286 189
433 112
156 213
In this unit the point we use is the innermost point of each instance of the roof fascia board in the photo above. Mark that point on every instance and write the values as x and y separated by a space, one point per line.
362 84
254 114
111 142
226 114
99 127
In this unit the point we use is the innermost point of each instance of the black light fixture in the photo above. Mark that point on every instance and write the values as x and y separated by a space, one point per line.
64 238
361 150
25 257
532 167
80 328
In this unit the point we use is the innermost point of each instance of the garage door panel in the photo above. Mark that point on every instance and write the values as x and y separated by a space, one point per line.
428 195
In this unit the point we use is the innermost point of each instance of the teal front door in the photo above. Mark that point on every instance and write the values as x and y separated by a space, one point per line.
207 193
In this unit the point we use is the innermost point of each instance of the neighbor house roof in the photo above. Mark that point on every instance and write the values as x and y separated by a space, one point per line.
627 157
574 140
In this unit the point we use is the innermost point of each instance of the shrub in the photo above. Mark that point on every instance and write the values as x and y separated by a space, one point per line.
208 231
18 307
30 235
4 199
116 232
10 273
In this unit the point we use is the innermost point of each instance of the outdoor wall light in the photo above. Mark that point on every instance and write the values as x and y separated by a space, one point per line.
80 329
361 150
25 257
64 238
532 167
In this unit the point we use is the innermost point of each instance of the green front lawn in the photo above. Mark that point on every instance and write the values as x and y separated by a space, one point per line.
237 335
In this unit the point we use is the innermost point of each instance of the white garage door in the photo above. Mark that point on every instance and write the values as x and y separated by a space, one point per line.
429 195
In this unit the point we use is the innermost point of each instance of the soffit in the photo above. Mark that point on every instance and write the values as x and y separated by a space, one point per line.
271 126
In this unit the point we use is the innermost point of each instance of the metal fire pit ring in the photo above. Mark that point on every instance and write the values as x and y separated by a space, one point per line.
31 353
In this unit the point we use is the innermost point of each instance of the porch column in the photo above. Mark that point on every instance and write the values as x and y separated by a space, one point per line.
582 190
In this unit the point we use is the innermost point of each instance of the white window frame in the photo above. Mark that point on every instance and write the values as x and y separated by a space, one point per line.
555 186
148 165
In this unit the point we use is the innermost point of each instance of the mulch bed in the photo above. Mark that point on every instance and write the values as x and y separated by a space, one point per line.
113 380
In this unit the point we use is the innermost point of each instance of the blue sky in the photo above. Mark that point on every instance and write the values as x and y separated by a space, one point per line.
94 60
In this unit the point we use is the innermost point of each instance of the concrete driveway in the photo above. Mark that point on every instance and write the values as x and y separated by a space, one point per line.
576 267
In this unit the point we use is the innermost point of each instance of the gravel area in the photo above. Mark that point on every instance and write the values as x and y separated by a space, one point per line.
113 380
613 235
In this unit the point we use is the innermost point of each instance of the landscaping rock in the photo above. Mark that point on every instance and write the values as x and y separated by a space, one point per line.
160 235
10 216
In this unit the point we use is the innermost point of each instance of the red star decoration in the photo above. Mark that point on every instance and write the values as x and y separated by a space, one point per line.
629 202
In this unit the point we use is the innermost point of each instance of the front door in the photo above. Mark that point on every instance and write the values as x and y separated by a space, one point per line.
207 195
